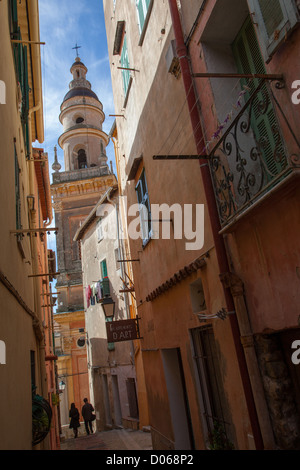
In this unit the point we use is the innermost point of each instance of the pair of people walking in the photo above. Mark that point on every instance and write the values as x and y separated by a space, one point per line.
87 414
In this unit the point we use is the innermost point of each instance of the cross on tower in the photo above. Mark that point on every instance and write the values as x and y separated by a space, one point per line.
76 47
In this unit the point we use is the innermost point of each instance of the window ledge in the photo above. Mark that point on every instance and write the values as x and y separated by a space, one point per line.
143 33
146 242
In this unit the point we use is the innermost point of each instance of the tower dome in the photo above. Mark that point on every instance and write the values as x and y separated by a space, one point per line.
83 140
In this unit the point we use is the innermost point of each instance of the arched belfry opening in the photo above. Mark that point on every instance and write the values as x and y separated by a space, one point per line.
82 160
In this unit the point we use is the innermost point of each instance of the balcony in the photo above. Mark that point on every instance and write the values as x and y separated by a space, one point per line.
251 158
78 175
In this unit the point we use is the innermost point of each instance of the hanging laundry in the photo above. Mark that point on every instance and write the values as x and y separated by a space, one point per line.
88 293
99 292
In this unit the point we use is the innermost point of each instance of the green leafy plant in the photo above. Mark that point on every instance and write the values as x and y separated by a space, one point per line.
218 438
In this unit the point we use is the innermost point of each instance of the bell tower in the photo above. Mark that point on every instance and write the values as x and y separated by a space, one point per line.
83 140
86 177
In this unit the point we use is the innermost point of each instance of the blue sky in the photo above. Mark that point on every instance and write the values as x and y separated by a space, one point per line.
63 24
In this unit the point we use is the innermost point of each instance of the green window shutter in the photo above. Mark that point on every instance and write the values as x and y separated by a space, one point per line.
249 60
274 20
103 266
142 7
125 63
21 64
24 82
141 13
14 18
17 191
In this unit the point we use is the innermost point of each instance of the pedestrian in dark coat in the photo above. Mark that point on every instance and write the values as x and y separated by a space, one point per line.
74 423
87 414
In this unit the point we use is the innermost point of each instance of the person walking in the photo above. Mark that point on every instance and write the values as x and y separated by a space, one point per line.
88 416
74 423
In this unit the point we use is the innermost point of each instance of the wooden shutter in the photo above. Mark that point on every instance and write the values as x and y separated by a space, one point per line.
249 60
274 20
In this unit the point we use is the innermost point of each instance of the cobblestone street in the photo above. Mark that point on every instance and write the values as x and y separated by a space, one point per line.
117 439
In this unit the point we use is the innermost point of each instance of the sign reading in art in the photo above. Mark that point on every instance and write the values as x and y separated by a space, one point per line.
123 330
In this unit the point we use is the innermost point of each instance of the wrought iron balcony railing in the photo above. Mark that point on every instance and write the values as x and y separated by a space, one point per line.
251 157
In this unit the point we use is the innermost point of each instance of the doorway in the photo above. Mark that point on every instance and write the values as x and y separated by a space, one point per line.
178 399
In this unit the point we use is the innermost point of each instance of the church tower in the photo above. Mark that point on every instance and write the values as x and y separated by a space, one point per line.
86 177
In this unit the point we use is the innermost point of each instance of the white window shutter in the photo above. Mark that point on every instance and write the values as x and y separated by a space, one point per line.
274 20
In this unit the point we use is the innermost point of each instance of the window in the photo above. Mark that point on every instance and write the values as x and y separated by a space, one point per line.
14 27
274 20
103 267
215 411
144 203
118 266
82 160
17 192
249 60
125 65
79 120
100 231
81 342
142 9
21 68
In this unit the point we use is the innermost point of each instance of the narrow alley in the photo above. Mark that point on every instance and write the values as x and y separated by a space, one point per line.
116 439
150 220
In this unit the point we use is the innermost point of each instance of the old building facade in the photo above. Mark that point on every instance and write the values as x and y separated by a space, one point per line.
169 280
112 371
189 86
255 146
28 391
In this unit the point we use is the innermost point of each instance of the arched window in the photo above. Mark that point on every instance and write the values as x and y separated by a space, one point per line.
82 160
79 120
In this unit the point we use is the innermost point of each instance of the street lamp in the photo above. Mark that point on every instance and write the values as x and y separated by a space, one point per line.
62 386
108 306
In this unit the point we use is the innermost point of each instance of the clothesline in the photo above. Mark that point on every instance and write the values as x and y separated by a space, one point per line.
94 293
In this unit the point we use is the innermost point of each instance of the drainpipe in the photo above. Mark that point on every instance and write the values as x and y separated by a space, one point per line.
214 218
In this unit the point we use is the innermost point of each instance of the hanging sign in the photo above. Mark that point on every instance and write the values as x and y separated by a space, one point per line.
123 330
